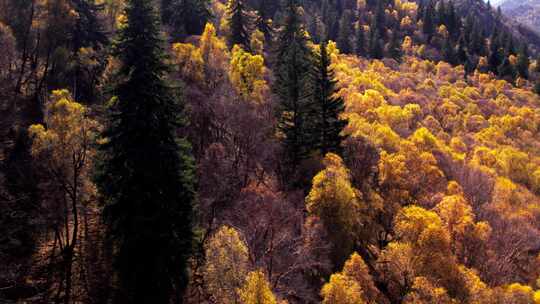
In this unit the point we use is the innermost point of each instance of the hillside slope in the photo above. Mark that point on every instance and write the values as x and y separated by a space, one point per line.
526 12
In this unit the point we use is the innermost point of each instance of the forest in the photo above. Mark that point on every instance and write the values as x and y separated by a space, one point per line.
268 152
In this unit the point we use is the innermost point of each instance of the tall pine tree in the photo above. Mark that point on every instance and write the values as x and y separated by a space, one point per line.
328 107
522 64
146 172
293 86
86 32
360 41
345 32
495 52
375 45
185 17
262 21
394 46
428 26
238 24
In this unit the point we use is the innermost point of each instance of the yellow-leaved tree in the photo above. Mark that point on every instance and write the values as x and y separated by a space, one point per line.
336 202
63 148
341 290
246 74
256 290
226 264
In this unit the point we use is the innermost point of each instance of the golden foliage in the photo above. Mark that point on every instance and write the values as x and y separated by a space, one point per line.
246 74
341 290
256 290
226 264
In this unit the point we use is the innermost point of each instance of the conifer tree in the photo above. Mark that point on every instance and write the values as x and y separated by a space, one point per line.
360 41
328 125
394 46
345 32
495 56
470 65
261 21
441 13
293 86
375 46
506 70
145 172
468 27
185 17
238 24
477 41
508 42
448 51
461 53
380 18
453 21
86 32
522 64
428 27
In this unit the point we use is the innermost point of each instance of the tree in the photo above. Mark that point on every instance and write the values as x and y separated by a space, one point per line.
345 32
495 56
360 41
461 53
334 200
238 24
63 147
227 261
453 20
246 74
146 171
185 17
379 20
375 46
263 22
292 86
425 292
327 121
441 13
88 37
341 290
522 64
477 42
88 31
428 27
506 70
356 269
394 46
448 51
256 290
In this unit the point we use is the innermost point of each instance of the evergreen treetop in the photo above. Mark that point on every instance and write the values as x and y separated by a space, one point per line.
145 174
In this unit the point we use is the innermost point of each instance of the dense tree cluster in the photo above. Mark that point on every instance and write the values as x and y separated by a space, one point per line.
251 151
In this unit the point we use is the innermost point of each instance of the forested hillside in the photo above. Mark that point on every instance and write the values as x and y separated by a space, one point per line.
264 152
525 12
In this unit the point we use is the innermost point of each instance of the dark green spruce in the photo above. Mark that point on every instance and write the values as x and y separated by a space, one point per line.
145 172
360 41
345 33
327 123
394 46
239 24
185 17
293 65
522 64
